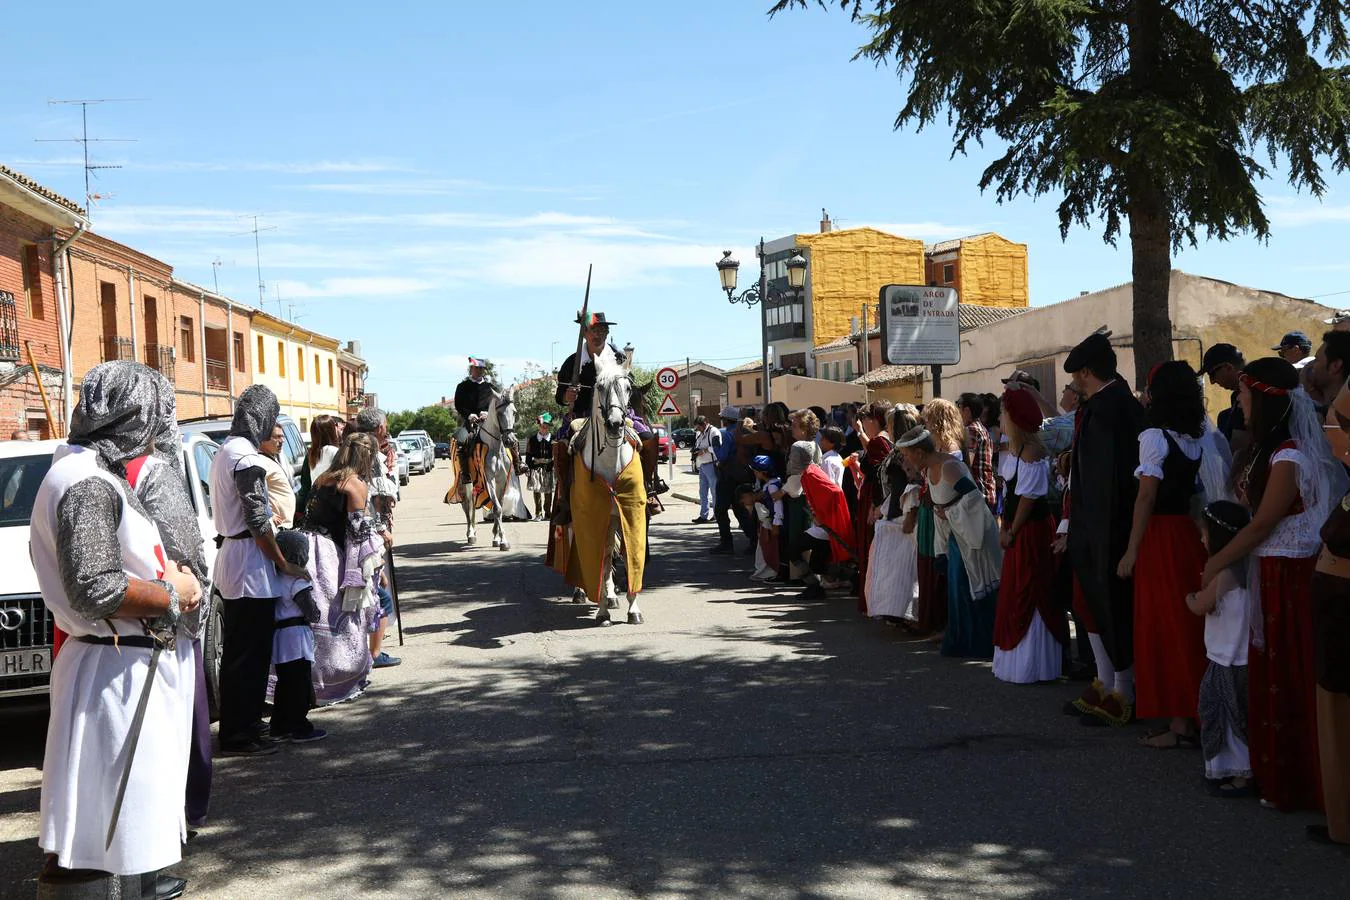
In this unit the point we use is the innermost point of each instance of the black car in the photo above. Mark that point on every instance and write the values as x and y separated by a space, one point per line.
442 450
684 437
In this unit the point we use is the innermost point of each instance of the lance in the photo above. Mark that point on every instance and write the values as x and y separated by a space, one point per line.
581 331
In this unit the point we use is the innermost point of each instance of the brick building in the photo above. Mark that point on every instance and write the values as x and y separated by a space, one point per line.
702 390
129 306
32 286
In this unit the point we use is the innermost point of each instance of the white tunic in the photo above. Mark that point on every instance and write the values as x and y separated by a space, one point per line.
94 693
241 568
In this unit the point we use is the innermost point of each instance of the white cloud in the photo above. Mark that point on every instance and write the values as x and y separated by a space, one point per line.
361 287
437 187
926 231
285 167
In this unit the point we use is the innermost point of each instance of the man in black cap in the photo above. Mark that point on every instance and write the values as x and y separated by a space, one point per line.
1295 348
1102 491
577 397
1222 365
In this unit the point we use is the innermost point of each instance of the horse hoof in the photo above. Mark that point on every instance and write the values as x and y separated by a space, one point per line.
605 622
613 603
578 596
503 546
471 540
635 618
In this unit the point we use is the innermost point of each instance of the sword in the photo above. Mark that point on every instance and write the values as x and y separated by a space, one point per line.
393 591
133 738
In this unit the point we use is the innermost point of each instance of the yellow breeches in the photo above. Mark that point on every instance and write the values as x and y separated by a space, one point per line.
593 502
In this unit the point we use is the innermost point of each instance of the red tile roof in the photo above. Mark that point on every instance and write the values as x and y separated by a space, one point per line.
40 190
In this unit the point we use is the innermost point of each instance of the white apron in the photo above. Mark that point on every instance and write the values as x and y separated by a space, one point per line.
94 692
241 570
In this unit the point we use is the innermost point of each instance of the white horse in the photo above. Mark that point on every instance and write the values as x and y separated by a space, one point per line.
605 444
498 435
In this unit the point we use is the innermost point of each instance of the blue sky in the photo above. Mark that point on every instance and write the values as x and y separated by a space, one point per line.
437 176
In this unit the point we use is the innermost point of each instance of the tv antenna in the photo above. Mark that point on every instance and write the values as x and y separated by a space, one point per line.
257 253
215 273
84 140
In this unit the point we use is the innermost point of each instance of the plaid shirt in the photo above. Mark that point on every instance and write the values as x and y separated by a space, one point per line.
981 461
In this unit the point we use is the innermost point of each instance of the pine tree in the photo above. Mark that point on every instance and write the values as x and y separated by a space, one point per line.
1145 114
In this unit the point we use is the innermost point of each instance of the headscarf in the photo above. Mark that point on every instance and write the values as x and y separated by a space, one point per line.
1023 410
121 411
255 414
801 455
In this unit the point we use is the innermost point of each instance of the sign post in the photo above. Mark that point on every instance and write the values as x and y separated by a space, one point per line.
920 326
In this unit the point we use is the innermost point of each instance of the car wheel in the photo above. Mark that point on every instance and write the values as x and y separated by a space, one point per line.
213 644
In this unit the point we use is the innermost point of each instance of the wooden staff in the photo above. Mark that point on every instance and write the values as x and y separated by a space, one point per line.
55 426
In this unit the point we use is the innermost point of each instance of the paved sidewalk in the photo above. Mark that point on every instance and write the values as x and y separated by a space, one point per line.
738 744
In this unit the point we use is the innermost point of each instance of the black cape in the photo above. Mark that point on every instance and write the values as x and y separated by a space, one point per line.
1102 489
582 406
472 398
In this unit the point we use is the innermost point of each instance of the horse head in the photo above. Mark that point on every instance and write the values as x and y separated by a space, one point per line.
613 391
506 410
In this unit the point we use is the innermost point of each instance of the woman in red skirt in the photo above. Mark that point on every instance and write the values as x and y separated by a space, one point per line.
1290 479
1030 630
1166 555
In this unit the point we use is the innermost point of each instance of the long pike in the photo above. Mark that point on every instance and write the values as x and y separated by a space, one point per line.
581 331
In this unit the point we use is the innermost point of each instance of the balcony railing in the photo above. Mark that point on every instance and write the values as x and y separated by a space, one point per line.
160 357
217 375
9 328
116 348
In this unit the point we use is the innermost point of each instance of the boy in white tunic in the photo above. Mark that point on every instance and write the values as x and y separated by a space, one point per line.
293 648
102 571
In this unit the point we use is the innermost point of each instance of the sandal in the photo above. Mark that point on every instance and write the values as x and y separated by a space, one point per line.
1178 740
1230 791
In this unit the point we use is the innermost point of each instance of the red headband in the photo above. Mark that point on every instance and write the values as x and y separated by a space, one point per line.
1261 386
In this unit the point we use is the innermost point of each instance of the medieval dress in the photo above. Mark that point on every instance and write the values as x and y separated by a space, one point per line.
1029 628
893 564
974 564
1169 641
89 536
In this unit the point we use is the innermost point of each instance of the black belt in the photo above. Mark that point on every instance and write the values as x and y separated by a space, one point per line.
222 538
122 640
292 622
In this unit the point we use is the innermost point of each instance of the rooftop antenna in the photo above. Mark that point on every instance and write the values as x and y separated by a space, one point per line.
257 253
215 273
85 140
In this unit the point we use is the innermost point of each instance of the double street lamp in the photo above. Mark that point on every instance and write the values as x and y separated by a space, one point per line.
727 268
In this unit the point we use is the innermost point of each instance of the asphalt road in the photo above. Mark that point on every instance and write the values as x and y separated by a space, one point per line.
738 744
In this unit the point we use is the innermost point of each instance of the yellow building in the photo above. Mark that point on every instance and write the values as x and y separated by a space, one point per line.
986 270
299 365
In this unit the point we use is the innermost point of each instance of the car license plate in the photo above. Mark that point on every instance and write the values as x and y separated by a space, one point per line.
34 661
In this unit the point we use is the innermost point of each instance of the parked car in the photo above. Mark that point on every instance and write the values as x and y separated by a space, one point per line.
404 464
292 451
665 445
684 437
27 629
425 449
418 464
442 450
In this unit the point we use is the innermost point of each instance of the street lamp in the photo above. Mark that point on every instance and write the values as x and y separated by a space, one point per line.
728 266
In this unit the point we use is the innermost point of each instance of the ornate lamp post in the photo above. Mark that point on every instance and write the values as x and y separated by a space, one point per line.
727 268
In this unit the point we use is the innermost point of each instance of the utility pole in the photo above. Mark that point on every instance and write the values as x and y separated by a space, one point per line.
84 140
689 412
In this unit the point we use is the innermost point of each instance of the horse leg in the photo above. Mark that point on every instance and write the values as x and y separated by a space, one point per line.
470 517
606 598
634 614
497 490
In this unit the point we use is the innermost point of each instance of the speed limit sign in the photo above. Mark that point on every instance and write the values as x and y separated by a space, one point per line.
667 379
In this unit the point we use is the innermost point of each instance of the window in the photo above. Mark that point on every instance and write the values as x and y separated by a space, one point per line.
330 373
262 357
759 389
203 454
304 424
239 352
281 358
185 348
948 273
300 363
848 370
32 281
318 379
739 385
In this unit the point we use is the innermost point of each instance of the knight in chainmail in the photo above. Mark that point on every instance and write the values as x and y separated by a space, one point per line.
246 572
103 573
160 483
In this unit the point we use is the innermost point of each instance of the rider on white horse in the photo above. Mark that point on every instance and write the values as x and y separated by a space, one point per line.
473 396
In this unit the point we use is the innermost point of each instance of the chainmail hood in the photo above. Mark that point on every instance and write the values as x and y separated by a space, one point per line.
121 411
255 414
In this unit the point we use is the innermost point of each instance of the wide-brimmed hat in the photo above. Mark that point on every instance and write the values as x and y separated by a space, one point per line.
596 319
477 362
546 419
1094 350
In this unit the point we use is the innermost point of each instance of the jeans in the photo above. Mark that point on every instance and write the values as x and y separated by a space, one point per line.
726 503
707 489
244 662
